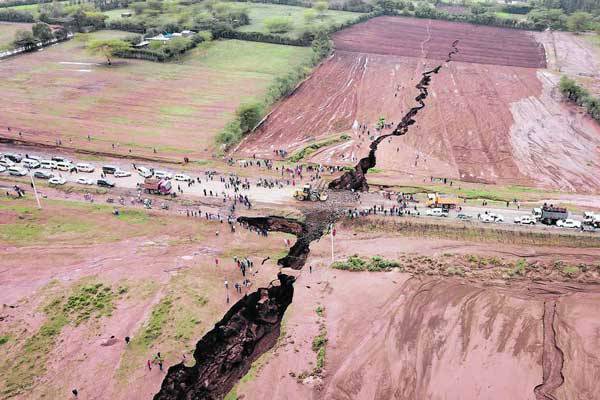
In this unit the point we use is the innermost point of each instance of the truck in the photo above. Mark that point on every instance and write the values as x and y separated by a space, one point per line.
550 214
157 186
308 193
437 200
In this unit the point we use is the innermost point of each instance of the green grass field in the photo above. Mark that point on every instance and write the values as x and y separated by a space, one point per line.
502 14
259 12
7 33
175 107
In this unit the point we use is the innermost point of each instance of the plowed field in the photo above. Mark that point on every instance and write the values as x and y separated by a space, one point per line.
501 123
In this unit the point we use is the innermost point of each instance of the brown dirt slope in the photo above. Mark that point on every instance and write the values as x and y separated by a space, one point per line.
411 37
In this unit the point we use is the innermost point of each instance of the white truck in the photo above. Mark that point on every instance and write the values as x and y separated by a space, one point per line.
525 220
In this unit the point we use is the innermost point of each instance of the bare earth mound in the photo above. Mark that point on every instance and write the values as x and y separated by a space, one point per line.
500 123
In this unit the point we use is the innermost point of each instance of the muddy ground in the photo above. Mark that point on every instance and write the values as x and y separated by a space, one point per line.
415 334
487 121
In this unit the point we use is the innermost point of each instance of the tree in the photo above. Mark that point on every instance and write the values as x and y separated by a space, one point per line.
321 7
249 115
108 48
578 21
25 39
278 24
310 16
321 46
42 32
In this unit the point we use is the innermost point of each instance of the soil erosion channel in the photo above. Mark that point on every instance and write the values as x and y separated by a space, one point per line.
252 325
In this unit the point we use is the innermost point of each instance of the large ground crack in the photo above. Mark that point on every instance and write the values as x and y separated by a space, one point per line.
356 179
552 357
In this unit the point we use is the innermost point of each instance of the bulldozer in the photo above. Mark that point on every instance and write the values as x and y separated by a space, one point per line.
309 193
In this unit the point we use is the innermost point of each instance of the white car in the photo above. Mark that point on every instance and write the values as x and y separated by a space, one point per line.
489 218
5 162
525 220
36 158
57 180
48 164
85 181
182 177
568 223
64 166
16 171
2 168
84 167
163 175
31 163
437 212
121 174
144 172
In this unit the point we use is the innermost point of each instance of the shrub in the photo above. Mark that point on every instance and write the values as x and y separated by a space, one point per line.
278 24
249 115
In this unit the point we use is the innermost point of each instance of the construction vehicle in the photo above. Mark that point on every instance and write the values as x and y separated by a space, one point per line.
157 186
309 193
550 215
436 200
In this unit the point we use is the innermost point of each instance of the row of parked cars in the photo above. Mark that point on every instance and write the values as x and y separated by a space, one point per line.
17 165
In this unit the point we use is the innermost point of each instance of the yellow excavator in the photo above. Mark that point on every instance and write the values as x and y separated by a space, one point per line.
308 193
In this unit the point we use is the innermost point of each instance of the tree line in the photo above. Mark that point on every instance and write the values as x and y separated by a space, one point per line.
579 95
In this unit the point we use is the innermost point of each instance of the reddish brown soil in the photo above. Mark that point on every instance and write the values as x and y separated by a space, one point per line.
393 336
412 37
483 123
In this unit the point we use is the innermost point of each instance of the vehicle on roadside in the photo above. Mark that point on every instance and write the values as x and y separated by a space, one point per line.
57 180
60 159
157 186
85 181
525 220
109 169
589 217
551 215
163 175
464 217
2 168
84 167
121 174
568 223
437 212
6 162
32 157
42 175
182 177
48 164
64 166
17 171
537 213
491 218
31 163
144 172
496 217
105 183
13 157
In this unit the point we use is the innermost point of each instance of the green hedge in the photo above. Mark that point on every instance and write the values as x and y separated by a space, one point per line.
10 15
576 93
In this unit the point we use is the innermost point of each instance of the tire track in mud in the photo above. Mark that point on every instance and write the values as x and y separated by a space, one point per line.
552 358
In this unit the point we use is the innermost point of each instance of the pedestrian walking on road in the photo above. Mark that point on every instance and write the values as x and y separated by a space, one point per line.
149 365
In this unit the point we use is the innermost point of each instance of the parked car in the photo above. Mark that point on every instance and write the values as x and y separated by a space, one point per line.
121 174
105 183
48 164
182 177
497 217
17 171
464 217
144 172
64 166
32 157
2 168
433 212
491 217
84 181
163 175
60 159
84 167
13 157
30 163
525 220
42 175
6 162
568 223
57 180
109 169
